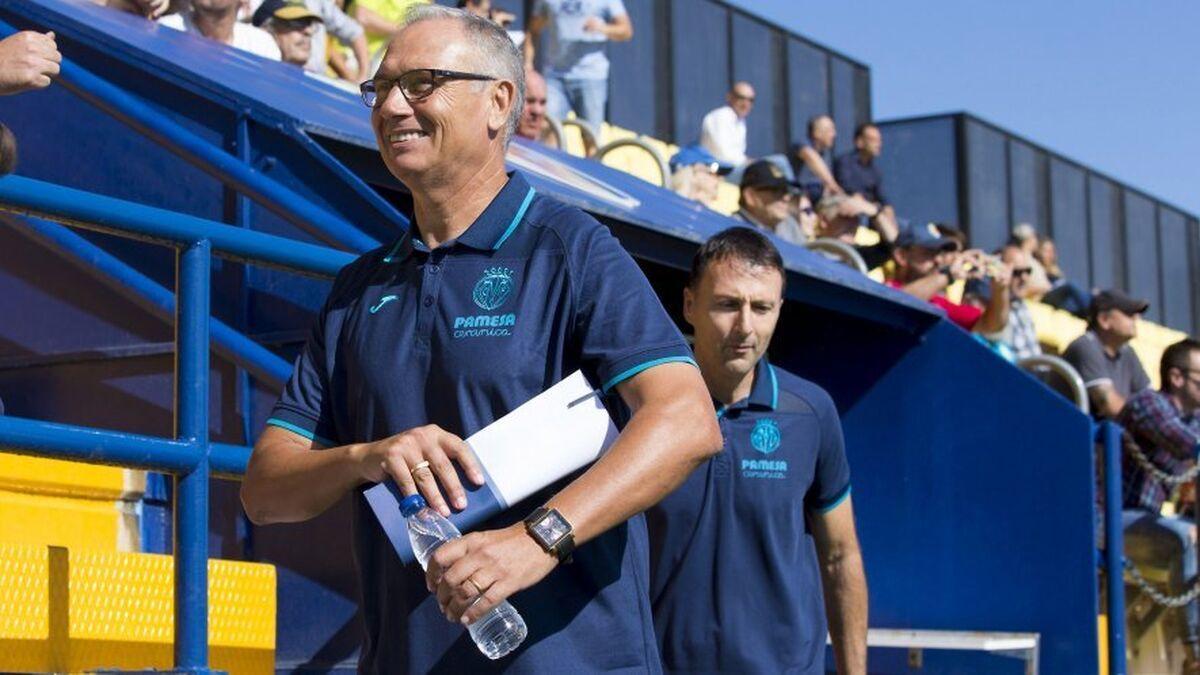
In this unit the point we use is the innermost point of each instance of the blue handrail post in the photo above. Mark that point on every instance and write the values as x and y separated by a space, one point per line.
194 264
1114 538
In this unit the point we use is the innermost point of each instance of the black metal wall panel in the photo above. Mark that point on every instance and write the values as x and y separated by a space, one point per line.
1108 268
699 63
1175 278
758 58
844 93
1027 182
1068 219
919 169
987 187
808 86
1141 251
639 75
1194 265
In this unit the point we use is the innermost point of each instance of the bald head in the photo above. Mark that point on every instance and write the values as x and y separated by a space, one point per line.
533 115
821 132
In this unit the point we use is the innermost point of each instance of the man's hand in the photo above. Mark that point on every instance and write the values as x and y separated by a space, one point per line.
594 24
419 460
28 60
472 575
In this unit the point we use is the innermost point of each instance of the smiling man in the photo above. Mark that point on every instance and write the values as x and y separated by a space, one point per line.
741 551
493 295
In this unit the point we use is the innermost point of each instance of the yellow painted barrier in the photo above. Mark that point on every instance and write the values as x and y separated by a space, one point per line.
66 610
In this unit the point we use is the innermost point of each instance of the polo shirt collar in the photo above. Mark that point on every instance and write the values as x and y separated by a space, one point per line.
489 231
764 392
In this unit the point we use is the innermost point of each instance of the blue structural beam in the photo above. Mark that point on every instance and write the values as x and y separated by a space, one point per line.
105 214
228 461
286 203
112 272
191 426
1114 546
95 446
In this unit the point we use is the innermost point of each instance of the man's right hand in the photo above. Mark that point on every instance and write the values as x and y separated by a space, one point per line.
27 61
419 460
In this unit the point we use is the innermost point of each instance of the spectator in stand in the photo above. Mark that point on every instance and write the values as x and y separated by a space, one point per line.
293 25
811 159
841 215
575 64
151 9
381 20
1063 294
28 60
928 262
723 131
766 201
1164 428
1109 368
217 21
1018 339
856 173
1026 237
347 31
533 123
485 9
696 174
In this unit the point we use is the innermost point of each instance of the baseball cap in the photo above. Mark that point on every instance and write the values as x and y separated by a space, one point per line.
766 174
697 154
1114 299
282 9
926 236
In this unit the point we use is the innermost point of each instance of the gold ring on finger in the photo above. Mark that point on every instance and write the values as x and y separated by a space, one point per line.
421 466
478 591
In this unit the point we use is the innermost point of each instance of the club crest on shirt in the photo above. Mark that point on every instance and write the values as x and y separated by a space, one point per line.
765 437
493 288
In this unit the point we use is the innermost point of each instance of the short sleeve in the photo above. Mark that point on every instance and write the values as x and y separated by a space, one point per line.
613 9
831 479
622 328
1091 364
1138 379
339 24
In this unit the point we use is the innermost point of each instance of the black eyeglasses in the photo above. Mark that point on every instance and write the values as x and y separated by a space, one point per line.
807 210
415 85
1022 271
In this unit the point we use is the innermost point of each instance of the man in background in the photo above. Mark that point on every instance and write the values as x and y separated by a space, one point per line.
723 131
1102 355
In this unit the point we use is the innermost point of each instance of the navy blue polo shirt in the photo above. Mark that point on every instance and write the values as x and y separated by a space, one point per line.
459 336
855 177
734 580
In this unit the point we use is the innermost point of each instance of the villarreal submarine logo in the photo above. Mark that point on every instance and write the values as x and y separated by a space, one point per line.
766 437
493 288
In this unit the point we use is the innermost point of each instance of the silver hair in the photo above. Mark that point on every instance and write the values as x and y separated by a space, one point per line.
498 56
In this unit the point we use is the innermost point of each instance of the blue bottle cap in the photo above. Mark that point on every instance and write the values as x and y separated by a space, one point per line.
411 505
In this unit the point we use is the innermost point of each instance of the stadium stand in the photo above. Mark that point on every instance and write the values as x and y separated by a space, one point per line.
930 518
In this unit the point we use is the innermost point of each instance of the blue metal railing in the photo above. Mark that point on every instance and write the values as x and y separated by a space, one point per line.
1108 434
190 457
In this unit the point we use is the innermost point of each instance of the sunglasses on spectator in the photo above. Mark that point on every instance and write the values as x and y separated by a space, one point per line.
288 25
415 85
743 98
1022 271
807 210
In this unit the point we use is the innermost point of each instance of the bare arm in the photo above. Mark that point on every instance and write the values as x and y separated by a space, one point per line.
359 46
672 431
995 315
1105 399
374 24
620 29
817 165
926 287
533 29
845 586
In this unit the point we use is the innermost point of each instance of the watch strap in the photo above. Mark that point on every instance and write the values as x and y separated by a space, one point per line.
563 547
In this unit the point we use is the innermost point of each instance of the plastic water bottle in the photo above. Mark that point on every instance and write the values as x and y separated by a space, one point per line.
496 633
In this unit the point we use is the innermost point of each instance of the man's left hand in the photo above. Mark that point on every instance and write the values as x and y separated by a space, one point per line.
473 574
594 24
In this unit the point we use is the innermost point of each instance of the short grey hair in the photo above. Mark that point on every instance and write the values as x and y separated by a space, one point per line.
498 56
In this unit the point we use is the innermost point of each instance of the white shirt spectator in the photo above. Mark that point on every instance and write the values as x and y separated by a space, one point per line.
723 134
245 37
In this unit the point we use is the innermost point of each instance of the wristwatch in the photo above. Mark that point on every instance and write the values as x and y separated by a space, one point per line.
552 532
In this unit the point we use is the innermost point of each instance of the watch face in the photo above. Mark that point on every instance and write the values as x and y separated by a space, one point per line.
552 527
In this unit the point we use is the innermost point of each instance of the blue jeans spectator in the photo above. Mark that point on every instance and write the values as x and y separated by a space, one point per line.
1068 297
586 97
1158 541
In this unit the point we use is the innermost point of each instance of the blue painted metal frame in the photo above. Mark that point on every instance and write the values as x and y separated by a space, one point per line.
190 456
1109 435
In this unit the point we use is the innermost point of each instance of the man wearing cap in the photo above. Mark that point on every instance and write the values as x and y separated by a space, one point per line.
928 262
1164 427
766 201
492 295
1102 355
723 130
695 174
292 24
742 550
217 21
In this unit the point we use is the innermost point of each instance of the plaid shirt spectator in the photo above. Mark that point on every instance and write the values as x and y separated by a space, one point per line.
1022 332
1165 436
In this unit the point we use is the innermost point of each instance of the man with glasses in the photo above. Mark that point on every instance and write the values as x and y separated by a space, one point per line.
492 295
1110 369
1164 428
723 131
1018 339
767 200
292 24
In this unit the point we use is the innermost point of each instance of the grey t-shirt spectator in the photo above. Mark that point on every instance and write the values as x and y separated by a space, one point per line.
1124 371
571 53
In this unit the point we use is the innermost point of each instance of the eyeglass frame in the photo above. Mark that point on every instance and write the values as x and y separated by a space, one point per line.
439 76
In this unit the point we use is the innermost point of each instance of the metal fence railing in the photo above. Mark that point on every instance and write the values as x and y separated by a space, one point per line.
189 456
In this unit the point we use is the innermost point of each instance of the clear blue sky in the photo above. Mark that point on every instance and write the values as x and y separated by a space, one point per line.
1114 85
